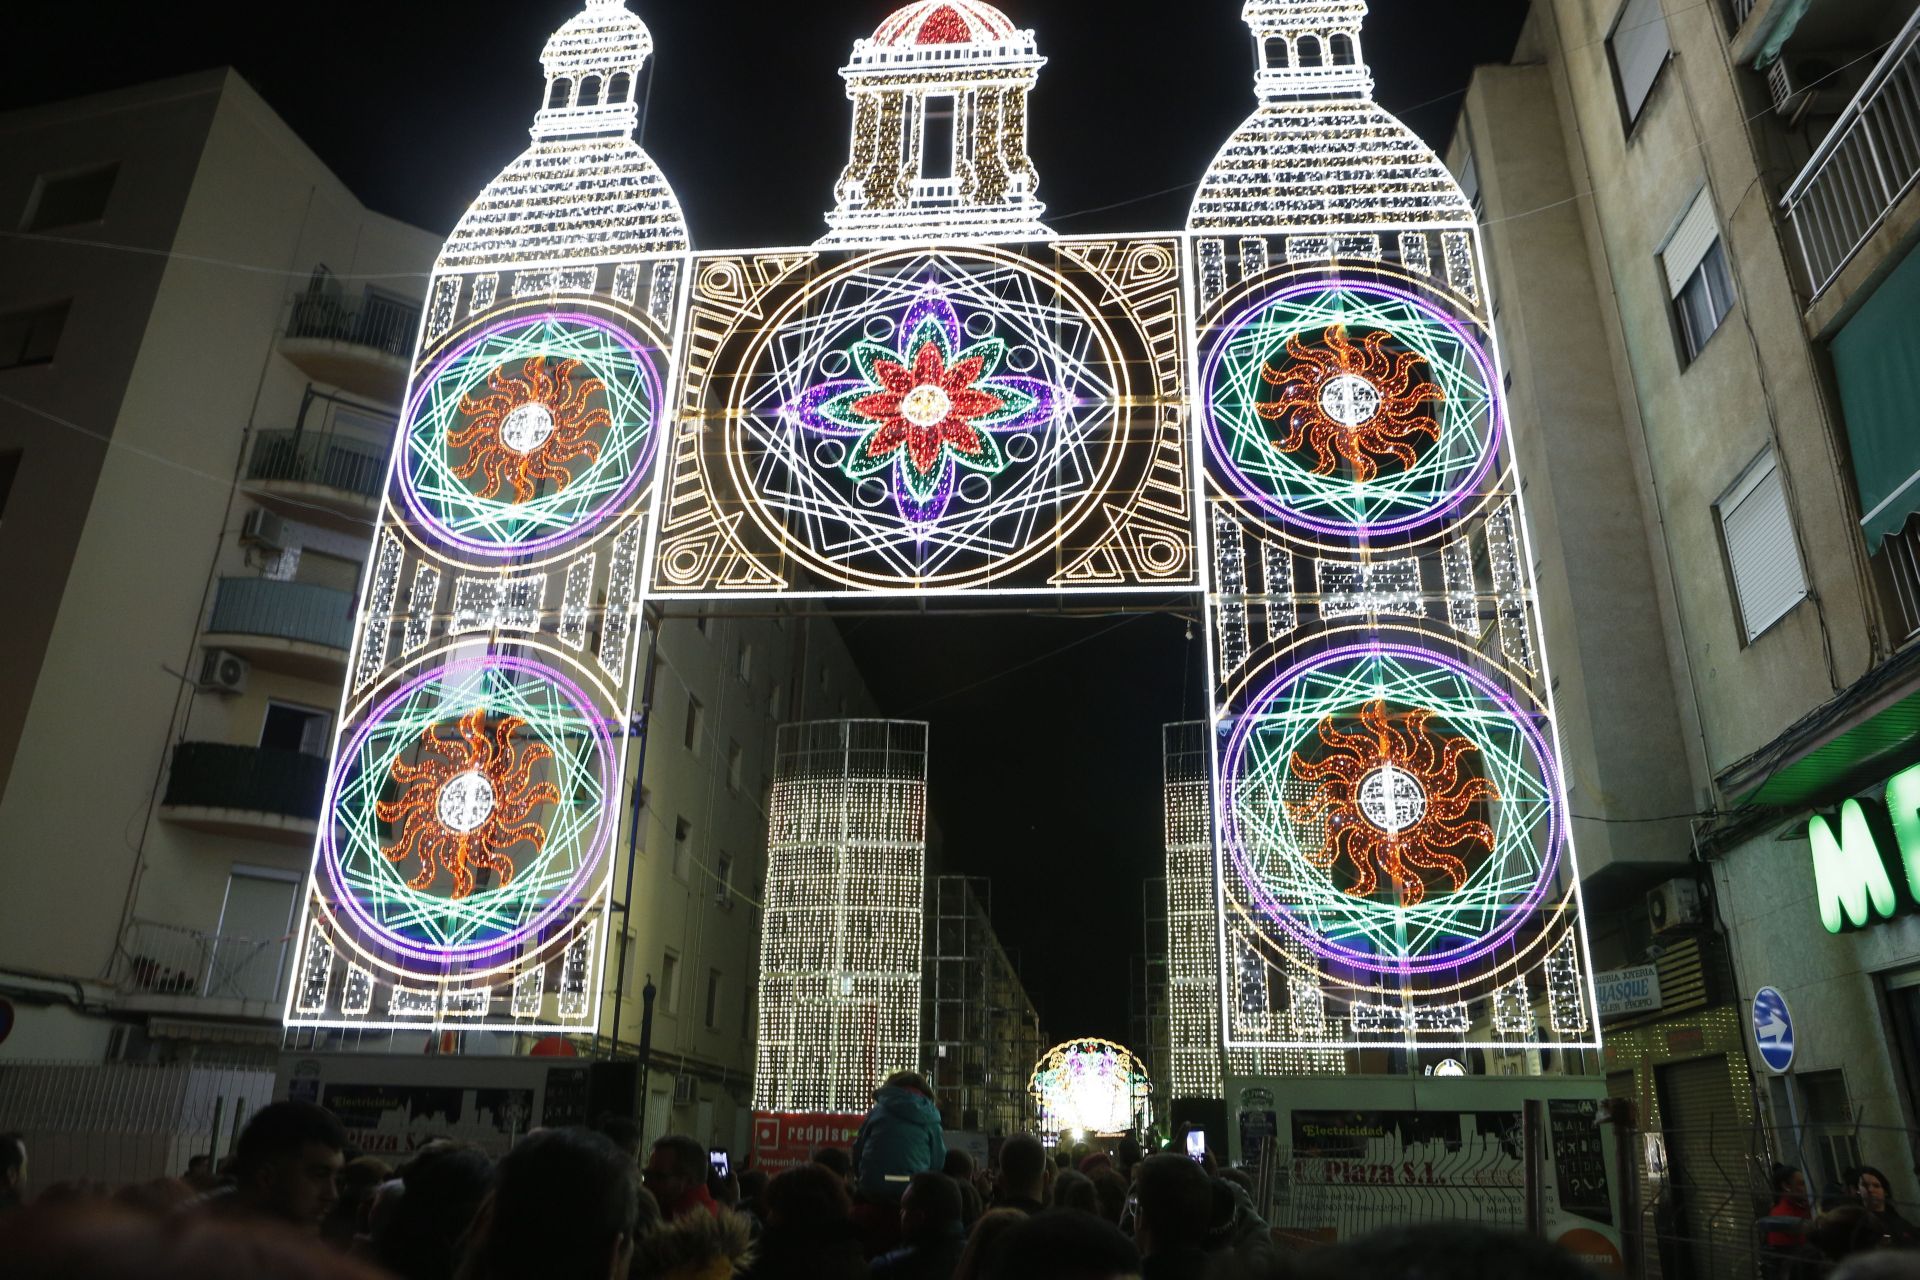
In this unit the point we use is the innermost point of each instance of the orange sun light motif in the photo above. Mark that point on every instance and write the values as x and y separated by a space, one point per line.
1393 799
528 427
1360 404
467 801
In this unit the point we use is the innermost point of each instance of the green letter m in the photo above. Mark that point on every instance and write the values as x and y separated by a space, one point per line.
1848 873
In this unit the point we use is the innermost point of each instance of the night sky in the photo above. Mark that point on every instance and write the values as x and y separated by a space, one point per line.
1046 730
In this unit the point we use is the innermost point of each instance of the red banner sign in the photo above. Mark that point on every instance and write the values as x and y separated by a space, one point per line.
786 1141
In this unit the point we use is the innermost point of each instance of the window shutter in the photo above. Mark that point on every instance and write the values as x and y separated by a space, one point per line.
1767 577
1689 242
1640 49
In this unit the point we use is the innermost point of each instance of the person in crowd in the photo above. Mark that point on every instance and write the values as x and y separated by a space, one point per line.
724 1188
1128 1154
1023 1175
1882 1264
932 1236
899 1137
1876 1198
1063 1246
13 1171
1842 1232
359 1178
958 1165
1112 1190
622 1132
1094 1163
199 1174
984 1242
157 1195
285 1166
836 1160
416 1225
676 1174
1073 1190
696 1247
101 1241
1790 1201
810 1233
753 1197
1176 1209
1442 1251
562 1206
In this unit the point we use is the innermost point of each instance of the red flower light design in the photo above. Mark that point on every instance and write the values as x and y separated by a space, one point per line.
528 427
1354 403
1393 799
927 409
467 801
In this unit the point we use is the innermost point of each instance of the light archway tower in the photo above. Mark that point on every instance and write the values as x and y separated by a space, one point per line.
1394 868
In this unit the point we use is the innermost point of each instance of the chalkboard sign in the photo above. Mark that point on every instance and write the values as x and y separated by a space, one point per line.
1579 1159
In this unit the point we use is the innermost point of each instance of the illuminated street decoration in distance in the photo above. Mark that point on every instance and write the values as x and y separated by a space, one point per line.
841 937
1092 1086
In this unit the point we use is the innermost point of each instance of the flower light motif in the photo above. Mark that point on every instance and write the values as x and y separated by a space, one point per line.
1091 1085
1351 402
926 410
467 801
1393 799
529 427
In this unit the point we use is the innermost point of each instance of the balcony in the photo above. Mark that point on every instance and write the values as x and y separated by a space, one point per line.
1863 168
245 791
361 345
311 476
291 627
166 968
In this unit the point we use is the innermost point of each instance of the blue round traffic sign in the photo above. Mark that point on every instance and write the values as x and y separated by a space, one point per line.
1772 1029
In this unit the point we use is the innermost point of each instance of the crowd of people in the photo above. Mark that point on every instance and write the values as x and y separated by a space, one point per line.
295 1201
1854 1219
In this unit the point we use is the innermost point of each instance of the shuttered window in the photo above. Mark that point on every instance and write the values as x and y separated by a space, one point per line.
1768 579
1638 49
1695 262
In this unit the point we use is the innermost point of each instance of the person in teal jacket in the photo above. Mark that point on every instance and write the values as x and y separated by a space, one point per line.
899 1138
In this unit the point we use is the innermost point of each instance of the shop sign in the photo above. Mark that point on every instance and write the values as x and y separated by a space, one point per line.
1632 990
1868 869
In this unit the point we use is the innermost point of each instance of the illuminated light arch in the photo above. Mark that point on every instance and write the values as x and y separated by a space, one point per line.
1350 408
530 430
568 757
1274 836
1092 1085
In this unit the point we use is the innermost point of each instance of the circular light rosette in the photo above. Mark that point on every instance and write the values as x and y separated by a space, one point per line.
1093 1085
468 814
530 432
1351 408
1391 809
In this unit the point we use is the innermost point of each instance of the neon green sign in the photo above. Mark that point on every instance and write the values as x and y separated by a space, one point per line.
1870 870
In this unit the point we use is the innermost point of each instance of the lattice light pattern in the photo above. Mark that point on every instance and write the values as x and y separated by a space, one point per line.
1091 1087
1193 933
841 941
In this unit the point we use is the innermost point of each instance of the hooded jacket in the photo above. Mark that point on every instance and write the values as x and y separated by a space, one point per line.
899 1138
696 1247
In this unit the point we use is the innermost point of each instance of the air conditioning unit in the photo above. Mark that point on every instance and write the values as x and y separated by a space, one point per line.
683 1090
263 529
1814 83
1674 905
223 671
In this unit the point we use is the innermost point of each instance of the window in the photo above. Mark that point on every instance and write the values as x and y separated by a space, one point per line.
1638 49
1342 49
619 87
682 848
289 727
743 662
723 872
936 134
562 93
249 946
713 999
736 759
1275 51
31 336
590 91
70 199
775 700
1696 265
691 738
1762 556
1470 179
670 981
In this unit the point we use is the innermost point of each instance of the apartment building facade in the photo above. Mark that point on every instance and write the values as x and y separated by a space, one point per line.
1701 221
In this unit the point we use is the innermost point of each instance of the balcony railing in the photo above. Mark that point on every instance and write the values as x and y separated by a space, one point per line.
382 324
1738 11
284 610
303 457
219 775
167 960
1863 167
1898 558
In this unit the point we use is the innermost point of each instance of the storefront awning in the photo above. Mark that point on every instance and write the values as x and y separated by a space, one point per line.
1876 358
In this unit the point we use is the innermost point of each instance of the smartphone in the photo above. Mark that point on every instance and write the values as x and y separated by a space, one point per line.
1197 1144
717 1161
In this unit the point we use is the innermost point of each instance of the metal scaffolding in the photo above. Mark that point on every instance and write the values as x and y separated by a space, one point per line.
983 1033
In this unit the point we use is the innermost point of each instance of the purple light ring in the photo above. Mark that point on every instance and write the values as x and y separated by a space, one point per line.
1496 409
1230 826
595 852
642 465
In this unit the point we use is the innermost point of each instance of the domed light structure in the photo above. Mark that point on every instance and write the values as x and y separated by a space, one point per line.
1092 1086
940 129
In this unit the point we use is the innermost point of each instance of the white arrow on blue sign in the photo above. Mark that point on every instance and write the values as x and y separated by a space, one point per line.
1773 1029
